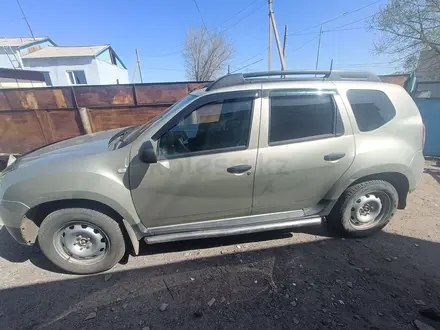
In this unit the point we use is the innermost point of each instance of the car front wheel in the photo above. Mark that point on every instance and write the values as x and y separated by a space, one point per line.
81 241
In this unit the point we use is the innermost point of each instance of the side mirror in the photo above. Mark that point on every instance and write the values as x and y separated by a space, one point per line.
147 154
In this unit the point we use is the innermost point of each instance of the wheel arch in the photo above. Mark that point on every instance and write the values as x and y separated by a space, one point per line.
33 218
398 179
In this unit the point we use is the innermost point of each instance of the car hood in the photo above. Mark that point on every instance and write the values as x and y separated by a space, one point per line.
75 147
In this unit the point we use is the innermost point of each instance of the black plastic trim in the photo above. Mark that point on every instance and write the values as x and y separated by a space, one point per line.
202 153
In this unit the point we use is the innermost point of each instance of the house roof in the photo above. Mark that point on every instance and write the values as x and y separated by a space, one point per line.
66 51
14 42
398 79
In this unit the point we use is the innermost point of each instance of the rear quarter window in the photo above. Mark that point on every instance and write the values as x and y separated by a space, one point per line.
372 108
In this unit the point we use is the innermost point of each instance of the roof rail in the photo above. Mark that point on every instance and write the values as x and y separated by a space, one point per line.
334 75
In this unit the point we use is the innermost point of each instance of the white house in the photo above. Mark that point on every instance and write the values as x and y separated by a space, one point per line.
64 65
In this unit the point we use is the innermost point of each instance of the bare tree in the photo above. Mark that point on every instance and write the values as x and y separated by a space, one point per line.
205 54
408 27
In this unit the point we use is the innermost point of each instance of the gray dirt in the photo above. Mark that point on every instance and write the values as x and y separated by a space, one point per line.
307 279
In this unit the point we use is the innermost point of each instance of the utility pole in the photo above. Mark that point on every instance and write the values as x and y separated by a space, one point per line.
319 46
285 41
277 38
25 18
229 69
139 65
270 36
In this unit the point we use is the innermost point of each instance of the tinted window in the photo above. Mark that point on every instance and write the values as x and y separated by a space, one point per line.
372 109
213 126
427 91
301 116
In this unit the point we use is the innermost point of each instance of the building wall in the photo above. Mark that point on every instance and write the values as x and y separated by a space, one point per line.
111 74
58 67
20 83
428 67
105 56
4 60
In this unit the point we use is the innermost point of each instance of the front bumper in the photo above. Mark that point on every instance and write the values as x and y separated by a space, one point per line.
11 214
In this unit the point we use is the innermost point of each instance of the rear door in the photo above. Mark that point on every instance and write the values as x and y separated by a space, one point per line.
306 144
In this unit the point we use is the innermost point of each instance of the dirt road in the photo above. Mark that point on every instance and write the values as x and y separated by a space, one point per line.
306 280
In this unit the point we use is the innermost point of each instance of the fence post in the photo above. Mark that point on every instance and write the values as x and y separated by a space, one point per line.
85 120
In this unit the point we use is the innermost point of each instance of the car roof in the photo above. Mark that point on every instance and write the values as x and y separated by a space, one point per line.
293 79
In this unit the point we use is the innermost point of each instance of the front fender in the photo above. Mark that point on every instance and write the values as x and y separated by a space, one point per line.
97 183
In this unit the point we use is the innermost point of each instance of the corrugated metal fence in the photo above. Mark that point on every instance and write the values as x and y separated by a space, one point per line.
32 117
427 97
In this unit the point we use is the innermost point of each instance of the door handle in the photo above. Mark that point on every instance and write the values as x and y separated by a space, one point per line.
237 169
334 156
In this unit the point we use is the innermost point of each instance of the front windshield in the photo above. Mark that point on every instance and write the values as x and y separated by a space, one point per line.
139 130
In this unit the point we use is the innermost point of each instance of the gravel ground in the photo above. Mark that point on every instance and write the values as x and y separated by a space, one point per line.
305 279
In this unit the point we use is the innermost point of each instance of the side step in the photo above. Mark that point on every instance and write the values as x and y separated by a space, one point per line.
232 231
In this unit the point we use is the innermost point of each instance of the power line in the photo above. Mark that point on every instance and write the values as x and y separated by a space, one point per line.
163 69
340 16
238 13
354 22
332 30
365 64
252 57
252 12
306 43
349 29
200 13
223 31
243 67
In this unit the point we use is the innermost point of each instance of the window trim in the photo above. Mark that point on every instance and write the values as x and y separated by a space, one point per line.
201 101
70 82
296 92
354 115
197 104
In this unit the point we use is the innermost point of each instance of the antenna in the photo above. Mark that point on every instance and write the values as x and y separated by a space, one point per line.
331 66
26 20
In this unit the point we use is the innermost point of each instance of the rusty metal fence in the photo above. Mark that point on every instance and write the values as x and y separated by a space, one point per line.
32 117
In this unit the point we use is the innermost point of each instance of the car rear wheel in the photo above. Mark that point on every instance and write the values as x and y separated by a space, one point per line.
365 208
81 241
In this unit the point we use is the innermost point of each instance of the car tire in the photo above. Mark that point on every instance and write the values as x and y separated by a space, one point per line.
81 241
364 208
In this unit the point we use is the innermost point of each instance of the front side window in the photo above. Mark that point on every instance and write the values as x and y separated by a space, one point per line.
77 77
294 117
372 109
214 126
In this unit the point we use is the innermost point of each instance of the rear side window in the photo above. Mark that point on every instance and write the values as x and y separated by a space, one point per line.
294 117
372 109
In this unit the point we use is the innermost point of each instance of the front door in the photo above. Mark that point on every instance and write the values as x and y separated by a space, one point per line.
306 144
206 164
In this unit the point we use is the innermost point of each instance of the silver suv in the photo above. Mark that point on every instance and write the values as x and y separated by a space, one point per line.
251 152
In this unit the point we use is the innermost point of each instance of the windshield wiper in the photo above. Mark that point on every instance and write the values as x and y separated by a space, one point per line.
118 139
